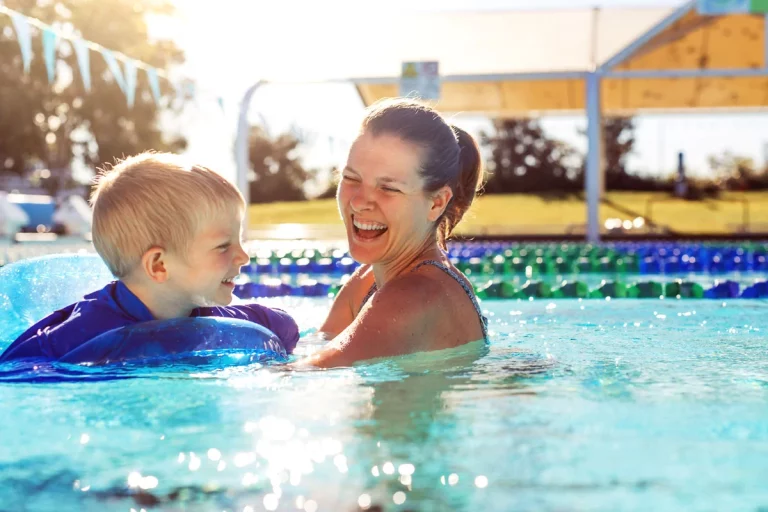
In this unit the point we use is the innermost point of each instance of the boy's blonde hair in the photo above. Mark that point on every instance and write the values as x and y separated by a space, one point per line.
154 200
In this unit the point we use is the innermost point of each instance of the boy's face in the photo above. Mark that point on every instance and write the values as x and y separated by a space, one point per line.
213 260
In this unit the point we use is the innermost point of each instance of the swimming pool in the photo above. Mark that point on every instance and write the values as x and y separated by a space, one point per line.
576 405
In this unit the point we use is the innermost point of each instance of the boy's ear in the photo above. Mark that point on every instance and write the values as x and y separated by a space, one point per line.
440 200
154 264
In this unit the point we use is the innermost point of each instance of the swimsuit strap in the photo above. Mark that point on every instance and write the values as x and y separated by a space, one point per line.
470 293
369 295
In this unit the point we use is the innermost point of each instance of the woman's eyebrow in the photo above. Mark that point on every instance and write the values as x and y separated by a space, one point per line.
391 181
383 179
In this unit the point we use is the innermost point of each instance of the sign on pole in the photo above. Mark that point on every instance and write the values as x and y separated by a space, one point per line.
715 7
421 79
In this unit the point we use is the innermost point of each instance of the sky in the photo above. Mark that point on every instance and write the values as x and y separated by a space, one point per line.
213 33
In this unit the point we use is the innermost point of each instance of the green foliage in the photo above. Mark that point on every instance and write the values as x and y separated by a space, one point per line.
96 126
619 141
736 172
278 174
618 145
524 159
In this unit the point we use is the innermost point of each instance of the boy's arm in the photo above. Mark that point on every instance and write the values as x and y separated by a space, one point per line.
276 320
68 328
37 340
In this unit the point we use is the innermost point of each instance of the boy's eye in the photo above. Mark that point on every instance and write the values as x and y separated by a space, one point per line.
349 178
390 189
224 247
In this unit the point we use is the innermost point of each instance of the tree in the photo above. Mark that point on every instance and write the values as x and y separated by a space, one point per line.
278 174
524 159
52 124
618 143
737 172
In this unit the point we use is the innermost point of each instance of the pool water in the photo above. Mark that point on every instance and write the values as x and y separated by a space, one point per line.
575 405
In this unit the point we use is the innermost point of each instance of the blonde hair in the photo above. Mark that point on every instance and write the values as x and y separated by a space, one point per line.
154 200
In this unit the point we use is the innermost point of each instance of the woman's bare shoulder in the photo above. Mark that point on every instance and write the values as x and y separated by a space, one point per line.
359 281
411 313
413 299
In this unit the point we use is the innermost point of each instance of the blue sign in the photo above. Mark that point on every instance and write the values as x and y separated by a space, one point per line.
715 7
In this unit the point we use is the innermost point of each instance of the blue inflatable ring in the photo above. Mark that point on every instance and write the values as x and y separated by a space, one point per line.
164 339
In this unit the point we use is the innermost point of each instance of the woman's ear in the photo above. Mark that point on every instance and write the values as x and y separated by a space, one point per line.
154 264
440 200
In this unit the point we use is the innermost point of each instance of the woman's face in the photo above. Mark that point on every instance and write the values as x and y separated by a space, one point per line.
381 199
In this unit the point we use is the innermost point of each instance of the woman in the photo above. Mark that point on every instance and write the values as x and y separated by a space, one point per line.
409 179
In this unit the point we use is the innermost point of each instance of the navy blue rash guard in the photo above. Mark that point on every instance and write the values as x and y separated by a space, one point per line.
116 306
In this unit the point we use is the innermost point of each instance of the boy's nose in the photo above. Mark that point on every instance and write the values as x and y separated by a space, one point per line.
241 258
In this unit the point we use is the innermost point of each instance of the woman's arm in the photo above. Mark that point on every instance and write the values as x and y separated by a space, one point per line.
345 305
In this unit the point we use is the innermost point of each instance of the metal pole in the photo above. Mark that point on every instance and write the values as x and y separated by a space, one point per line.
241 146
686 73
592 177
765 49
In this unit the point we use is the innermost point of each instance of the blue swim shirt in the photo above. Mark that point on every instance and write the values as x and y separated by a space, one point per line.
116 306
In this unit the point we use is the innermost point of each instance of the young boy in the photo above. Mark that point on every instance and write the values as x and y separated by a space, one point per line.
170 234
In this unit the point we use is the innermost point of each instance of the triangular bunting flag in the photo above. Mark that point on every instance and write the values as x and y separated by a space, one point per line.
49 52
114 67
130 81
123 69
84 61
154 84
21 25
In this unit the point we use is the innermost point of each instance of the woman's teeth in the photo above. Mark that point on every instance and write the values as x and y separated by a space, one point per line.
369 226
229 280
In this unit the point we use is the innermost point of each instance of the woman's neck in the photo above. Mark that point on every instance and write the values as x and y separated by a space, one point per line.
386 271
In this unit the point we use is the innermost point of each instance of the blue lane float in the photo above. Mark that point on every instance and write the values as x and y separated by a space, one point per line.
756 291
264 290
636 257
724 290
719 290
